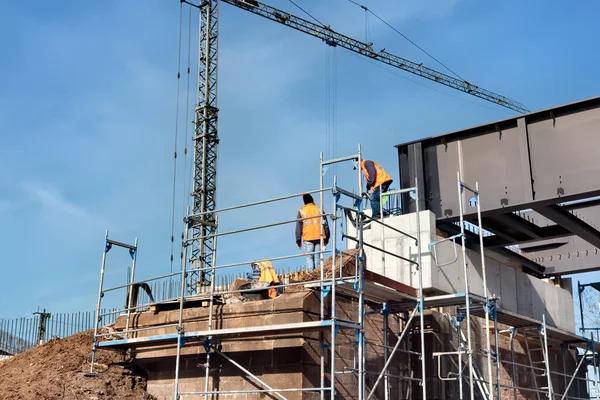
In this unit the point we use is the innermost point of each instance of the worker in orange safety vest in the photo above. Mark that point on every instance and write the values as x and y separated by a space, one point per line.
378 181
310 231
263 271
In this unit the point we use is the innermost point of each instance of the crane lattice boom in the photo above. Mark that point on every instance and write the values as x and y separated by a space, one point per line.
334 38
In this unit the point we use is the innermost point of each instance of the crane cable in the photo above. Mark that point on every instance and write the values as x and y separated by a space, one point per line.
367 26
306 12
331 134
186 197
176 135
368 10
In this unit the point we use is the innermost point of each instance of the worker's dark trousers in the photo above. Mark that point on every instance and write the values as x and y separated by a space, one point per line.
376 198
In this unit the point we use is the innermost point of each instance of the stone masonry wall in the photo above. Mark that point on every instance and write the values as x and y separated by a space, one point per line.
292 360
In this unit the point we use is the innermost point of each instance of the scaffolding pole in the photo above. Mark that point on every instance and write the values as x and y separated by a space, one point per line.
421 297
333 289
485 294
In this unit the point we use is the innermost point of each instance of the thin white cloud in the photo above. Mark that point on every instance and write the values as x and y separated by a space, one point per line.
50 200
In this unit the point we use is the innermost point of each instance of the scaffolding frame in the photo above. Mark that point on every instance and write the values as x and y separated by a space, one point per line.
488 307
325 286
467 305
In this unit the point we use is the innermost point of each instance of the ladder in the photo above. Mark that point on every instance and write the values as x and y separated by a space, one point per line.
542 349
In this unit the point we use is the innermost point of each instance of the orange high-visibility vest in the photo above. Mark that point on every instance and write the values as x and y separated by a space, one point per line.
267 274
311 227
381 177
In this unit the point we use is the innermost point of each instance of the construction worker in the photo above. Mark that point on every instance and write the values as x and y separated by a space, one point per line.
263 271
378 181
310 231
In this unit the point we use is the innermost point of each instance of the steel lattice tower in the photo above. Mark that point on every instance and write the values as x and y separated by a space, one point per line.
206 140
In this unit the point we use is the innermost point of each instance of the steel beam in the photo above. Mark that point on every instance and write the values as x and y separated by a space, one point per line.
547 233
544 161
574 256
541 158
572 223
500 254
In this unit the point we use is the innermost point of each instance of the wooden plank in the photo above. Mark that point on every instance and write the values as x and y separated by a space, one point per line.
392 284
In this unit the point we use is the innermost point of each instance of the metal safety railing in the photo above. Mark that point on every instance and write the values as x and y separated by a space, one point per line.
18 335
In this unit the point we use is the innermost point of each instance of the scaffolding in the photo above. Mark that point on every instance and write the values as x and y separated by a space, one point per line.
411 308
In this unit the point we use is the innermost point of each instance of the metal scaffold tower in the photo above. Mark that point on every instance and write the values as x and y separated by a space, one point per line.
368 300
328 286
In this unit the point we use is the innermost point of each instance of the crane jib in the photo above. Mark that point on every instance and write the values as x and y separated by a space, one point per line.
333 38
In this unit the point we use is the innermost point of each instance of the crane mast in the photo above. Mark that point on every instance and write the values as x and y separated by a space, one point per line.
202 222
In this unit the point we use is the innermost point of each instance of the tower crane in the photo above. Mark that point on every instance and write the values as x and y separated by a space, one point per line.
202 224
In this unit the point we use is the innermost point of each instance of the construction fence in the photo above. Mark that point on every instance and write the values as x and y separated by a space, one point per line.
21 334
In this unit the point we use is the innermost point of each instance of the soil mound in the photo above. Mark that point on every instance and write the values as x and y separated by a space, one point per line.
56 370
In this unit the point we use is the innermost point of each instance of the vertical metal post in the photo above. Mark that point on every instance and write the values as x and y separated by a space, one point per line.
467 289
497 346
580 289
421 297
382 232
2 333
11 336
333 285
96 322
41 329
360 193
386 381
361 309
133 254
547 358
26 333
210 316
19 341
321 292
485 292
597 395
181 301
563 349
513 332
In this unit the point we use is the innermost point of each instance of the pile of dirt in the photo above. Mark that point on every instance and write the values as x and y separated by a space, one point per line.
347 260
56 370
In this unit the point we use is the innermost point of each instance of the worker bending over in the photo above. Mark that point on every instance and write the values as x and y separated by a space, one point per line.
378 181
263 271
310 231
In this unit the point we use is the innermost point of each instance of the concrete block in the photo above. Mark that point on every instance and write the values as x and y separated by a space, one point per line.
538 299
518 292
502 282
524 294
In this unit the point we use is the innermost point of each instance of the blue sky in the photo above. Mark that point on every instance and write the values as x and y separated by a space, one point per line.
87 117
